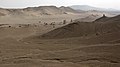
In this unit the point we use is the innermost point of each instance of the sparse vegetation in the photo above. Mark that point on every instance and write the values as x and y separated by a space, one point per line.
64 22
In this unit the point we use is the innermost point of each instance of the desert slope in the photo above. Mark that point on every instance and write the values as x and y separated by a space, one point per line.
106 19
92 44
79 29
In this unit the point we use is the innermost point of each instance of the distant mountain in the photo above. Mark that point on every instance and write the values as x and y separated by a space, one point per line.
87 8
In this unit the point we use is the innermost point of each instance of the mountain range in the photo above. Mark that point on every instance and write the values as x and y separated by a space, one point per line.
87 8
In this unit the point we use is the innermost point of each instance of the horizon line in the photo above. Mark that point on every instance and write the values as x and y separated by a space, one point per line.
52 5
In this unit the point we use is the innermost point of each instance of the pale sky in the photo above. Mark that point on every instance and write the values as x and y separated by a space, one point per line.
31 3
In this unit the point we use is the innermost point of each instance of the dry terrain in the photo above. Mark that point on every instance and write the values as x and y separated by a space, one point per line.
58 37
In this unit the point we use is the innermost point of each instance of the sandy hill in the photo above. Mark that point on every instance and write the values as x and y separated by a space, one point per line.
85 29
1 14
114 19
106 19
15 12
10 12
99 13
89 18
47 10
68 10
92 15
102 19
41 10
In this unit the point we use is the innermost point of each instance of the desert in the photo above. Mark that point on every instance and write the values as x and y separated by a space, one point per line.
50 36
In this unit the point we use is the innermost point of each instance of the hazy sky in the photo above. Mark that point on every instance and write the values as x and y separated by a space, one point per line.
28 3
